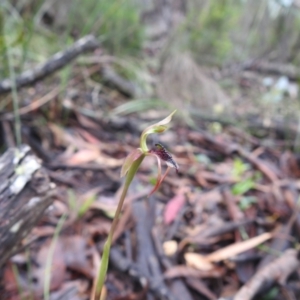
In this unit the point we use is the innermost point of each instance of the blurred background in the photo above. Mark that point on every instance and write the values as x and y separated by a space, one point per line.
225 61
80 80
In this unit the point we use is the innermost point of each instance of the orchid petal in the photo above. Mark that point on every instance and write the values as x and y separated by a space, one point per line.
133 156
158 127
159 178
159 182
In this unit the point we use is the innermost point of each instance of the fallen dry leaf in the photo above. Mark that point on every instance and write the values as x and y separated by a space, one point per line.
9 279
237 248
86 122
83 156
173 207
198 261
185 271
58 267
213 196
109 161
205 262
88 137
75 255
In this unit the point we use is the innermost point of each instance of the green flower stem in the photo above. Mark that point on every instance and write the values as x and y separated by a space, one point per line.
106 249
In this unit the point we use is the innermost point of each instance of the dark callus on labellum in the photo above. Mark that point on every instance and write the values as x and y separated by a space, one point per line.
164 155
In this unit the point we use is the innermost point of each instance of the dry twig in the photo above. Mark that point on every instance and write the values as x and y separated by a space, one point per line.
56 62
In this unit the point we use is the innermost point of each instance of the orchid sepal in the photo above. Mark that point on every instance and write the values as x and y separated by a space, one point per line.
160 178
158 127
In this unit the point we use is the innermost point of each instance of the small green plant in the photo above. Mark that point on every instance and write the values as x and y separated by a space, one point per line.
245 183
239 168
243 186
130 167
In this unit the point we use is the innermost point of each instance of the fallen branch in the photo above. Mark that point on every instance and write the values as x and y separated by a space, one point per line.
25 192
276 271
123 85
268 67
56 62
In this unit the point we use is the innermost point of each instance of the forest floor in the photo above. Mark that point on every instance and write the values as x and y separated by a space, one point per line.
227 226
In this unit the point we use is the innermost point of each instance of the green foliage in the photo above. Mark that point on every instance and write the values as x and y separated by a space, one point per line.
243 186
115 22
209 32
239 168
80 208
22 38
271 294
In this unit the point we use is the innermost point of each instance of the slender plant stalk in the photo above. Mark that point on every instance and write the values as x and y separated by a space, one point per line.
47 275
14 97
106 250
17 278
130 167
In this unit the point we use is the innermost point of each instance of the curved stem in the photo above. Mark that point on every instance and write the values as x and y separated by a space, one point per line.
106 249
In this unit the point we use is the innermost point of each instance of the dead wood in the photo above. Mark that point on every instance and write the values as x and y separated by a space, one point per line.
277 271
123 85
274 68
25 192
56 62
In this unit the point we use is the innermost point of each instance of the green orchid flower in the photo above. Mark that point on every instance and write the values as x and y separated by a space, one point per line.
129 168
159 152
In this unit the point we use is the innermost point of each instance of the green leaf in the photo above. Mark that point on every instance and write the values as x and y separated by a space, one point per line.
243 187
239 168
85 206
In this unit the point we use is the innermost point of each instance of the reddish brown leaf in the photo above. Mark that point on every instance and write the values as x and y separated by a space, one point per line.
173 207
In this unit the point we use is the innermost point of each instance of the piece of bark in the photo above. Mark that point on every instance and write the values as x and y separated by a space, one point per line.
56 62
25 192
